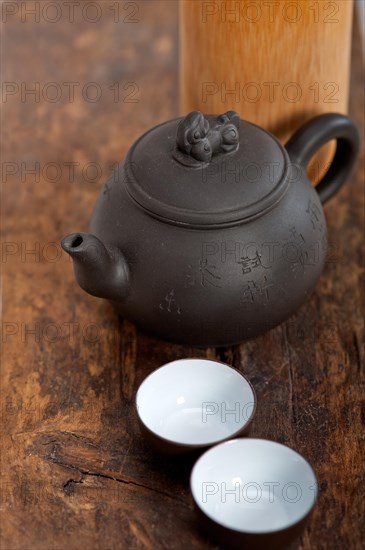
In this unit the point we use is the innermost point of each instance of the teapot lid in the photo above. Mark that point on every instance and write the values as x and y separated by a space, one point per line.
206 170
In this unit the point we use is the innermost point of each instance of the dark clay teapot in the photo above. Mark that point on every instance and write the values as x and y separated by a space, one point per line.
210 231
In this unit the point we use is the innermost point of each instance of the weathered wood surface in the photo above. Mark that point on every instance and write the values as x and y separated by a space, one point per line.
75 472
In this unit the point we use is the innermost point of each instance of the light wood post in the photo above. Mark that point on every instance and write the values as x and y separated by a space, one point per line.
277 63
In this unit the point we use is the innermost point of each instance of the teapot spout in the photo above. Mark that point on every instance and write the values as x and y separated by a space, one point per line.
101 270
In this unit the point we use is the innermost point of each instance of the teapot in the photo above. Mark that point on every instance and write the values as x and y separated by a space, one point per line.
210 231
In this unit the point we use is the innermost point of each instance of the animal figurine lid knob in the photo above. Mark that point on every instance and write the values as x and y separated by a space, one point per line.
201 139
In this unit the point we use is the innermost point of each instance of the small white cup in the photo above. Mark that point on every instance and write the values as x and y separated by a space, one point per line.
253 493
194 403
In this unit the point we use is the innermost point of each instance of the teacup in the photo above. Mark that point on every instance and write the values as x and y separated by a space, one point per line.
253 493
194 403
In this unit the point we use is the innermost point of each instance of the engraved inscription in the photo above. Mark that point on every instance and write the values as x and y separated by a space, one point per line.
314 215
169 303
298 255
297 237
205 275
248 264
259 292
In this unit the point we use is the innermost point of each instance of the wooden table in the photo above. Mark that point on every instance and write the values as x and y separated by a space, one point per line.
75 472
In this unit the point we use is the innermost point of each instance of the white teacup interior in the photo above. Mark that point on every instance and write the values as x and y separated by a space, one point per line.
195 401
253 485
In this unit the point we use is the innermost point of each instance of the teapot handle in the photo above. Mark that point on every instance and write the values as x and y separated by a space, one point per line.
315 133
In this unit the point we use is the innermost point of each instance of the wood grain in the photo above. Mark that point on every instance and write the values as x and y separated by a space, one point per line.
264 59
277 63
75 472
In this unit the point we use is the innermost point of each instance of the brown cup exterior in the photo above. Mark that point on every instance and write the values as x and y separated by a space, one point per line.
233 539
168 447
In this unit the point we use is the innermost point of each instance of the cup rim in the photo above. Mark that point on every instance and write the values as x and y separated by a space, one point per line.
193 446
247 531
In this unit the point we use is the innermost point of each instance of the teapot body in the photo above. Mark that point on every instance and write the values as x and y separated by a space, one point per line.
215 286
194 258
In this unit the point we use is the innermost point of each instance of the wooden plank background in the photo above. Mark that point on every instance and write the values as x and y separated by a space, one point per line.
75 472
